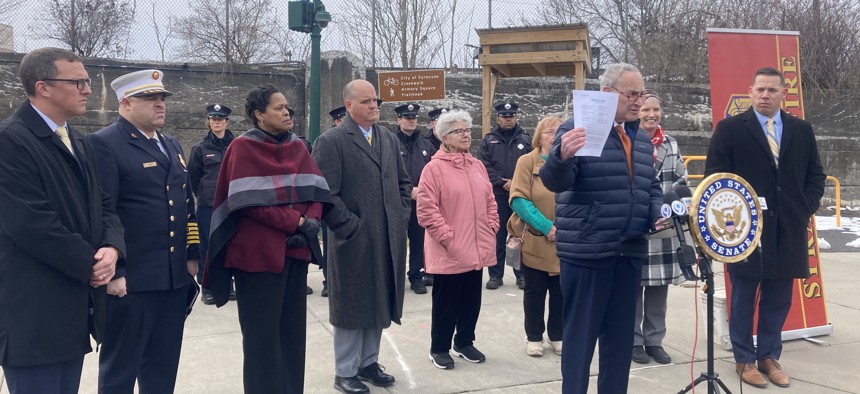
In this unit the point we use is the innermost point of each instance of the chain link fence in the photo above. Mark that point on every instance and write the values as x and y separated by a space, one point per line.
386 34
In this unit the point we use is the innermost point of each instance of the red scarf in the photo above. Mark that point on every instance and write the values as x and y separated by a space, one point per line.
657 140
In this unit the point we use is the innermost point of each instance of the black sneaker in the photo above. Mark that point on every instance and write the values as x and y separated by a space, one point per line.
207 298
470 354
658 354
418 287
494 283
640 356
521 283
442 360
427 280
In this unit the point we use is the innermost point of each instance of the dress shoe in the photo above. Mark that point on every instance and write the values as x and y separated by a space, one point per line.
556 347
534 349
374 374
308 290
469 353
233 291
418 287
494 283
521 283
442 360
750 375
774 372
324 292
350 385
658 354
640 356
427 280
207 298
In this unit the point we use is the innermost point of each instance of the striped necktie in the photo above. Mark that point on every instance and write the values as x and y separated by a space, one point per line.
64 136
370 137
771 140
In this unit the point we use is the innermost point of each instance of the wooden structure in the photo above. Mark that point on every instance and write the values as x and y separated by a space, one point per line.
534 51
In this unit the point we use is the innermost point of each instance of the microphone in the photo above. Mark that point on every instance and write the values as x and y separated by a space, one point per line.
685 253
685 194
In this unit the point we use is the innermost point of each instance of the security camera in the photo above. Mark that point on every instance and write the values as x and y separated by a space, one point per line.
323 18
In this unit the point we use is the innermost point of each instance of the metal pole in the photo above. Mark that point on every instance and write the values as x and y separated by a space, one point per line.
229 56
314 108
373 37
490 14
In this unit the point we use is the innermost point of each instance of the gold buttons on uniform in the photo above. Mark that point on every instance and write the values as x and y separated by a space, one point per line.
171 234
183 186
170 202
171 249
168 187
172 218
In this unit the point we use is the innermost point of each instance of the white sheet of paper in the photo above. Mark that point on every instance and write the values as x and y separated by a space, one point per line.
595 111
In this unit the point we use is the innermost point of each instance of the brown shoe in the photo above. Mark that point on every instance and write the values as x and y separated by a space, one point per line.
774 372
750 375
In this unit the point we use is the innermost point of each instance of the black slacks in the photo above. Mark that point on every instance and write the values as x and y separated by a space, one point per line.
272 308
538 283
57 378
416 247
456 305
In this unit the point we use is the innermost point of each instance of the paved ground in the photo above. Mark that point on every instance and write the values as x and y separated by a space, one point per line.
212 355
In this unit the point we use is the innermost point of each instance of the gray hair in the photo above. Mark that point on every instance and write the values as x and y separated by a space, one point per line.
613 73
445 123
39 65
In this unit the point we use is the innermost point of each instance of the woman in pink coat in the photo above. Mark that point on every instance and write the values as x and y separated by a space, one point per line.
457 208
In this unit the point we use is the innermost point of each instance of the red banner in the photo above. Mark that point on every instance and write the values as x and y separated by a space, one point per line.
733 58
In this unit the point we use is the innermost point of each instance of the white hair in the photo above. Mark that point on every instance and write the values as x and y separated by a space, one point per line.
613 73
445 123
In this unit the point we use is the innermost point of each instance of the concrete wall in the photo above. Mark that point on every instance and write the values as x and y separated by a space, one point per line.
687 114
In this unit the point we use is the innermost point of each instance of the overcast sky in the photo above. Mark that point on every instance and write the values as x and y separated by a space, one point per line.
31 13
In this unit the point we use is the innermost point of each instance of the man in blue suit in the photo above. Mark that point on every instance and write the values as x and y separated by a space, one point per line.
145 173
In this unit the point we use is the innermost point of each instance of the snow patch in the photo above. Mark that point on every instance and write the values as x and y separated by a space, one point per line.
823 244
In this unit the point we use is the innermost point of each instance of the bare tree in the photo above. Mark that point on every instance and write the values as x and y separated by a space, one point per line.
162 33
413 31
7 6
90 28
248 33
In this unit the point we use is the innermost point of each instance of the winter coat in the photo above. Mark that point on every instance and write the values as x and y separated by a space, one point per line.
367 225
457 208
538 252
793 192
599 203
499 152
204 164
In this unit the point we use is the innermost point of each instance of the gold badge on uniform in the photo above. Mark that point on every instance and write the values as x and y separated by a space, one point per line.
150 164
155 74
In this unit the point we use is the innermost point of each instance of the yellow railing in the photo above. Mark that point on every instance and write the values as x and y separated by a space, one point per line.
835 181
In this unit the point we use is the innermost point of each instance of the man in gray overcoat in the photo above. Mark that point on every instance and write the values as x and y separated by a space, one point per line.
367 242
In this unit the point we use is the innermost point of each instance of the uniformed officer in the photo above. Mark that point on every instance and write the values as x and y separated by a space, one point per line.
204 164
145 173
416 152
499 151
337 115
434 115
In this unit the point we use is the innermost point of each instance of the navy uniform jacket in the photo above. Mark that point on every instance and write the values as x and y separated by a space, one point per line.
204 165
153 199
416 151
500 151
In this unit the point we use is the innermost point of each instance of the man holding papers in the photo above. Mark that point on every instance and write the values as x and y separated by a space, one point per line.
604 206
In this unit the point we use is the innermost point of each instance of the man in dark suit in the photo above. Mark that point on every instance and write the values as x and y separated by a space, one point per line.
776 153
59 236
416 151
367 252
145 173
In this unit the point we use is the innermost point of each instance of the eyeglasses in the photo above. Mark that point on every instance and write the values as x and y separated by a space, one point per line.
461 132
632 97
79 83
549 132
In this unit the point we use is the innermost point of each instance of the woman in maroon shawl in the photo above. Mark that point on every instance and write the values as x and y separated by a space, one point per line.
268 202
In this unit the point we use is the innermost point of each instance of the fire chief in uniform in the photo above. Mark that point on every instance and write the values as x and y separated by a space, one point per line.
145 173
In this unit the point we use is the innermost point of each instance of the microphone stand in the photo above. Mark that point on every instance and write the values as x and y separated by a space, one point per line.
713 378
